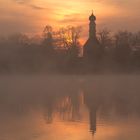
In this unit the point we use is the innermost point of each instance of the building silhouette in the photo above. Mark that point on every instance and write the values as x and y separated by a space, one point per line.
91 48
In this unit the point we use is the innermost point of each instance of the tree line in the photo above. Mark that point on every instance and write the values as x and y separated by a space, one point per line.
61 52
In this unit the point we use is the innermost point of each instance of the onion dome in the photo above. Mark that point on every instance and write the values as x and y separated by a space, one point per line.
92 17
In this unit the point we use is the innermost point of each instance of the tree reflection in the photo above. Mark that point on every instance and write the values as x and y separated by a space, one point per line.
103 97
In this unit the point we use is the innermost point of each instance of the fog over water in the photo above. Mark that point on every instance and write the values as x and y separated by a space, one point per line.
69 107
69 70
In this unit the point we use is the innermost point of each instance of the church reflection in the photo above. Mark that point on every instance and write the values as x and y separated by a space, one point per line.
91 101
68 104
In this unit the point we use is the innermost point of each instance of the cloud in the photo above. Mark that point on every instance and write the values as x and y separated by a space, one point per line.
29 4
22 1
32 15
72 18
36 7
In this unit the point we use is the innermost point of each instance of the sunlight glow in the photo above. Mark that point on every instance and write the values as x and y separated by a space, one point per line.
33 15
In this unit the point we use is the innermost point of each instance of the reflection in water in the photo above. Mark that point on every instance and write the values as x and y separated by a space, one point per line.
92 103
49 105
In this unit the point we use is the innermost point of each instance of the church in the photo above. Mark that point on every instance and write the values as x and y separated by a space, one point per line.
91 48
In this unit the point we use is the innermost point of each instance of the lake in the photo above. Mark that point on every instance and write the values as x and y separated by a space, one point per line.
65 107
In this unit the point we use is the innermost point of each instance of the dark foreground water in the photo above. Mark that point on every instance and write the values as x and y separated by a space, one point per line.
70 107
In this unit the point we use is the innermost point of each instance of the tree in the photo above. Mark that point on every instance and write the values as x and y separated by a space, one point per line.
69 36
123 41
136 39
17 40
104 38
48 46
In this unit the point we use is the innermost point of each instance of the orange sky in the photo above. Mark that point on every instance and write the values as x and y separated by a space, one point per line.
30 16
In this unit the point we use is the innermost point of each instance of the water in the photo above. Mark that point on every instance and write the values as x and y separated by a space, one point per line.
70 107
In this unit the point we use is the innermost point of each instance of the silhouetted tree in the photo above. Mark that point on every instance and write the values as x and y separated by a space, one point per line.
106 47
104 38
136 39
69 36
68 40
123 50
59 51
48 46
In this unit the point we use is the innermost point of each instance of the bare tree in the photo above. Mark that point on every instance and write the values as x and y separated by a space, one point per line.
47 31
123 40
69 36
48 41
104 37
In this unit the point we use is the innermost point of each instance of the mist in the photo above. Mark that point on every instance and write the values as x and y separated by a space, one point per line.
63 84
37 106
60 52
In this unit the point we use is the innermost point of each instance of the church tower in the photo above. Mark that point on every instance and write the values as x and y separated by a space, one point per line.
92 27
91 47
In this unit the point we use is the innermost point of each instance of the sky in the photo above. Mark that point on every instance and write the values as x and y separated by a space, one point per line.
31 16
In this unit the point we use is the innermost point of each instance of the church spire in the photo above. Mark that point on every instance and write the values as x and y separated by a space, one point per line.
91 47
92 11
92 26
